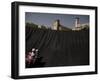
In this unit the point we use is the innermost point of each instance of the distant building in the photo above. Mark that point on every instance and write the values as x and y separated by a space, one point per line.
77 22
39 26
58 26
79 26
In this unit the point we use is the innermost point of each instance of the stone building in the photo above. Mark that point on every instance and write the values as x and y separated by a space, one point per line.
58 26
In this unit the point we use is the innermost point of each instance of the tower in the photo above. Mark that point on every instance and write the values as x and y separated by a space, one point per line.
77 22
56 25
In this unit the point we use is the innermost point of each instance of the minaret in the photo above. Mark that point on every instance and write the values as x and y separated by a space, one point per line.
77 22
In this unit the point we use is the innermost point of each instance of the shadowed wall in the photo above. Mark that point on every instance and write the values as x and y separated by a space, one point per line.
58 48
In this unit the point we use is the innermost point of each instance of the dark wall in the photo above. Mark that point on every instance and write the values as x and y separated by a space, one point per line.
59 48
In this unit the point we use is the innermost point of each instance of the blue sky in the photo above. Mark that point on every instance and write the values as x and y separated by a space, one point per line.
47 19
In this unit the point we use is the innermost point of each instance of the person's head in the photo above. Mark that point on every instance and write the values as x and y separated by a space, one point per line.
36 50
33 49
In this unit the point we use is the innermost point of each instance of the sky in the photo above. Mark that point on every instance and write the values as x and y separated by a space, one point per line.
47 19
